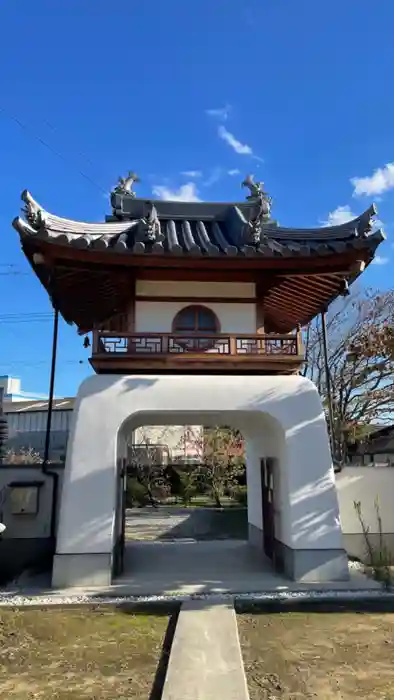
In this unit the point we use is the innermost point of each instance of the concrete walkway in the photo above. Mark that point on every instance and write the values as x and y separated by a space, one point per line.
205 661
230 566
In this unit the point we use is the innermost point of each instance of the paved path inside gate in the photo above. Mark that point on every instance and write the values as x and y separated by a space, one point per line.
229 566
185 551
205 660
164 568
169 523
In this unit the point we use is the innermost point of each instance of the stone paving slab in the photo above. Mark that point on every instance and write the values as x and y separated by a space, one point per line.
205 660
174 523
195 568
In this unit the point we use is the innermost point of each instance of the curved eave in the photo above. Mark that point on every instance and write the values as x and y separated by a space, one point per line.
195 237
100 251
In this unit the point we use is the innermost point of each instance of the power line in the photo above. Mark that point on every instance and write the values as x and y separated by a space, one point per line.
42 141
13 274
25 318
35 363
26 313
25 321
11 269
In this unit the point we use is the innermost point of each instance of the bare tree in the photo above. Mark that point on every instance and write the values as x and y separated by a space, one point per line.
360 339
219 452
147 462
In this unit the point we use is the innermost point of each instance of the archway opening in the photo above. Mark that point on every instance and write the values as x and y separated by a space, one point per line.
196 503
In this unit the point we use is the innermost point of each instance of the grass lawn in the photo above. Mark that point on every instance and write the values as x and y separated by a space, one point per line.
325 655
202 501
75 654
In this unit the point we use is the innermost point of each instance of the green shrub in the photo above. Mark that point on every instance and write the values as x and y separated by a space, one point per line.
240 494
188 486
136 494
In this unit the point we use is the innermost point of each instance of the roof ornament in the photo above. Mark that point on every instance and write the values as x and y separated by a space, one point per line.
125 184
150 224
32 210
260 213
366 222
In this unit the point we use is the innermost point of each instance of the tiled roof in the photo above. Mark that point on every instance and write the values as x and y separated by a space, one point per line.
195 229
66 404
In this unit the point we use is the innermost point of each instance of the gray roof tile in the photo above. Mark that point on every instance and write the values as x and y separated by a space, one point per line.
197 229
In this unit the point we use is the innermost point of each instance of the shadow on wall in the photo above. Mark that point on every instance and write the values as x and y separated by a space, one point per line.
292 397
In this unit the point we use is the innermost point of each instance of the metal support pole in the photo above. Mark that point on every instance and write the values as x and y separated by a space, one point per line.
3 428
51 387
328 384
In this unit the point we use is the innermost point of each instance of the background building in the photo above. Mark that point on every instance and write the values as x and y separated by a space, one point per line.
13 391
27 421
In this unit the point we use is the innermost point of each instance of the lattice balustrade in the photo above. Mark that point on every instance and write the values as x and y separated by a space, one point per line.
113 345
281 346
264 345
250 346
144 344
198 344
176 344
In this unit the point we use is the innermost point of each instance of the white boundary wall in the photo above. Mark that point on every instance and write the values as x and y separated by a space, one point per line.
365 484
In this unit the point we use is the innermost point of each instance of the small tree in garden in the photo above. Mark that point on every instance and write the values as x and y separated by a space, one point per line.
146 467
360 338
221 461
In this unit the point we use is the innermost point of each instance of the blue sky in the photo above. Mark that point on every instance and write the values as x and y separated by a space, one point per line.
193 96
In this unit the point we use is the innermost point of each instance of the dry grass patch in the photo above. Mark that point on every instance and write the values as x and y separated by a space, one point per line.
330 656
75 654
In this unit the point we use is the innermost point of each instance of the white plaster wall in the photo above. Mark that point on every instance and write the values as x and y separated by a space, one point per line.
308 496
365 484
268 441
157 317
244 290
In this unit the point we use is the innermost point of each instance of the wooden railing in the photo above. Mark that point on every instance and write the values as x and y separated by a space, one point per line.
158 344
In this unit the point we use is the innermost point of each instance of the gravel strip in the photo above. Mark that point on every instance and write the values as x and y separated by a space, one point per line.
20 600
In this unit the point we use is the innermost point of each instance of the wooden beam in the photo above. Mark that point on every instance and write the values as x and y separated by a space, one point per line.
131 319
298 298
308 284
197 300
337 262
261 290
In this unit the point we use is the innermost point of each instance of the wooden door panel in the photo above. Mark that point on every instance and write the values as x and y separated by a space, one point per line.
267 494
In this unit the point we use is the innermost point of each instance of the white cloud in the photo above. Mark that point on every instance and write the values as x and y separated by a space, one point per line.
184 193
381 180
241 148
191 173
233 172
339 216
221 113
380 260
215 175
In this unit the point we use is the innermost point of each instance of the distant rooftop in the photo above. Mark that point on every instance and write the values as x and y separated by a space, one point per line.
13 391
66 404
